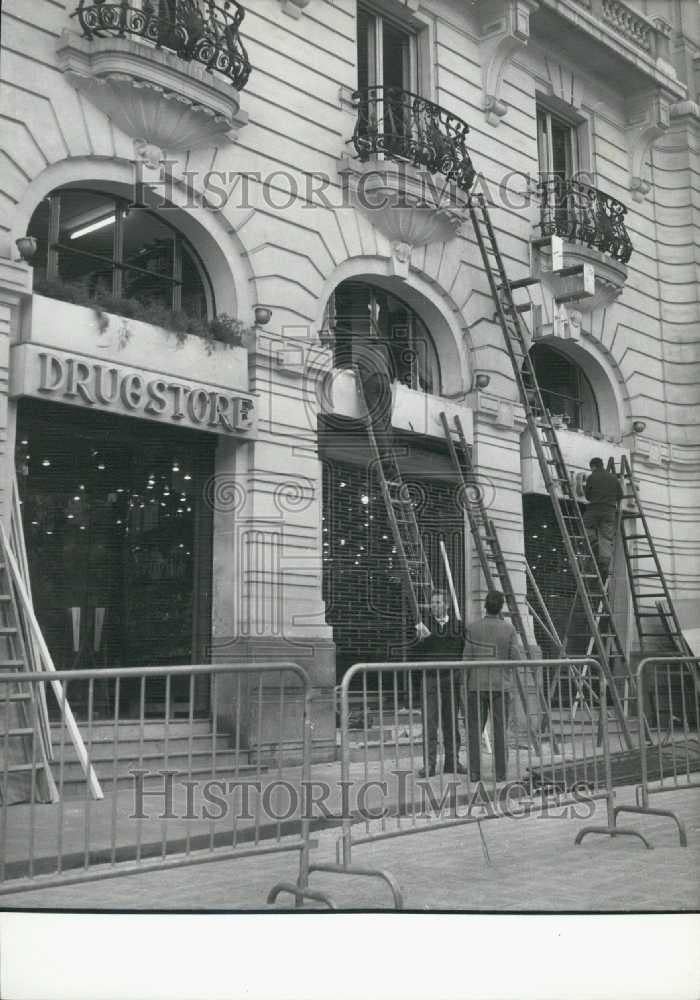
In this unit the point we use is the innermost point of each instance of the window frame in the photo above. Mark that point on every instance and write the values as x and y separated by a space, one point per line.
118 265
579 400
375 74
331 324
574 151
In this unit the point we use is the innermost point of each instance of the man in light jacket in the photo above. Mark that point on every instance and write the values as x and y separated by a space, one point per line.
488 690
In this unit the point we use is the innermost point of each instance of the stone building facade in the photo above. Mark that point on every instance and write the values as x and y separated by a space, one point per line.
265 168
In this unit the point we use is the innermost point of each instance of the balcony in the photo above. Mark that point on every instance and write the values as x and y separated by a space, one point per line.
400 126
595 243
412 170
200 31
168 73
582 214
629 50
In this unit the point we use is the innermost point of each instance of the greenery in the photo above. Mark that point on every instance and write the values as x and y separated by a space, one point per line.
222 329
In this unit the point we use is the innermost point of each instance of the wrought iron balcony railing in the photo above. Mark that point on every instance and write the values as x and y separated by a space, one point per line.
583 214
202 31
401 126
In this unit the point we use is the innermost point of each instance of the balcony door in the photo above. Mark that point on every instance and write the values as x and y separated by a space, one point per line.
386 72
557 152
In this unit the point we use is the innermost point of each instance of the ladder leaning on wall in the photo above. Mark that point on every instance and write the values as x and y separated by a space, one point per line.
652 603
415 568
608 646
491 558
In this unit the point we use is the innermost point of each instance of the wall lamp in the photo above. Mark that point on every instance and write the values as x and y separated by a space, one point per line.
263 315
639 426
27 247
482 381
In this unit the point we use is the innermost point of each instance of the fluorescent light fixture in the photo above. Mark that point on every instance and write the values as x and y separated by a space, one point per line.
100 224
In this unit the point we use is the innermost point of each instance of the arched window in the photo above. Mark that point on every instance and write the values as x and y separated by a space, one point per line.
359 313
100 247
566 391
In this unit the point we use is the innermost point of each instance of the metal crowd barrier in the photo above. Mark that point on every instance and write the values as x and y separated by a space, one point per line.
530 763
182 784
669 745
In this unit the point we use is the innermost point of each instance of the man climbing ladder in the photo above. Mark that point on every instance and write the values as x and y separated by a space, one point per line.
603 492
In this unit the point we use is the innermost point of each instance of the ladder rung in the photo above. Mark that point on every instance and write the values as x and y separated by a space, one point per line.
27 731
521 283
8 630
11 664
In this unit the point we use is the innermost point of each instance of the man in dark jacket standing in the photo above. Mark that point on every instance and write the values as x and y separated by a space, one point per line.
603 492
440 639
488 690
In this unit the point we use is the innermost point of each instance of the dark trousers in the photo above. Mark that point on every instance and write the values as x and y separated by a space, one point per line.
479 706
600 524
441 711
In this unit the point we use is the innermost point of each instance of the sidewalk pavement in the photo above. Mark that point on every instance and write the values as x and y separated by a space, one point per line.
504 864
114 824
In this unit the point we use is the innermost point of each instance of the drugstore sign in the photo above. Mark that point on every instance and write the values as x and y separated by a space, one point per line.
83 381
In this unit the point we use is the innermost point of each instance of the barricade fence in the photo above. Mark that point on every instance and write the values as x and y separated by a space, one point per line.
449 742
185 765
669 744
179 765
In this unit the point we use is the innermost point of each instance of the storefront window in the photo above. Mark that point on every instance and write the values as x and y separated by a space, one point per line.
566 391
118 543
104 246
359 315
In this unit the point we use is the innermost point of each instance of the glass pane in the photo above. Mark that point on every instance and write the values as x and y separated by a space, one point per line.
149 247
542 143
561 149
194 301
365 70
367 317
395 56
86 238
566 391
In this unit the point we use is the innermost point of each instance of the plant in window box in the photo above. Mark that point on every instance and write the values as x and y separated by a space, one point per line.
222 329
226 330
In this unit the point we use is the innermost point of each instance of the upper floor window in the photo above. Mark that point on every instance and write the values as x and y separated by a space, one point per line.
363 319
106 249
557 147
566 391
386 52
